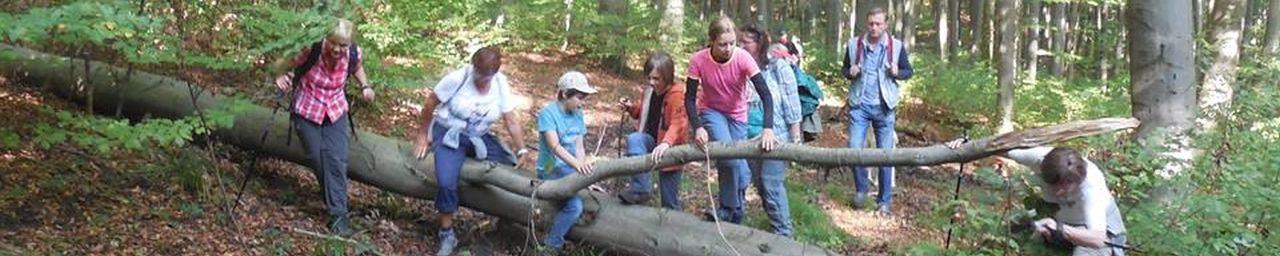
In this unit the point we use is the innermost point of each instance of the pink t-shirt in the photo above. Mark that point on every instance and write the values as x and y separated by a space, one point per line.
723 85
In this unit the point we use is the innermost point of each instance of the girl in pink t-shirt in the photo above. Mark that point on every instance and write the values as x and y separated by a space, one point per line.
719 112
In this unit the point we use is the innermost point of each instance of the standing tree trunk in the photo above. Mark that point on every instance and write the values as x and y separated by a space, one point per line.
615 61
764 16
1007 69
1059 42
1216 90
672 24
978 26
1271 41
1162 80
837 24
909 22
1197 15
568 19
944 28
953 13
1033 39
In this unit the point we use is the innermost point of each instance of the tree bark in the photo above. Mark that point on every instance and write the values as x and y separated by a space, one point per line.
1271 40
836 24
672 24
953 10
909 22
568 22
386 163
944 28
978 25
1033 39
1162 79
1007 69
1216 90
616 61
1059 42
764 16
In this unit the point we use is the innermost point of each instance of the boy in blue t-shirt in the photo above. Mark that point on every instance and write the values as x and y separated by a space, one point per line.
560 149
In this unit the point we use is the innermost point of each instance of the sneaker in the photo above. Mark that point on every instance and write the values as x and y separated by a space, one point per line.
630 198
859 200
341 226
884 210
448 242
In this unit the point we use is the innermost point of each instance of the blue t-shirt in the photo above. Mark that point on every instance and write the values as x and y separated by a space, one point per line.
569 127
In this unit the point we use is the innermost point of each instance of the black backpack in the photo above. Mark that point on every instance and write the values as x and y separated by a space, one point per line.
313 56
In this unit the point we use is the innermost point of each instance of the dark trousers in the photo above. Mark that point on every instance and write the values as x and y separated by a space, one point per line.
326 146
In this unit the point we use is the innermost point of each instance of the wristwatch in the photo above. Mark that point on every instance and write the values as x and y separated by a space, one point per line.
521 152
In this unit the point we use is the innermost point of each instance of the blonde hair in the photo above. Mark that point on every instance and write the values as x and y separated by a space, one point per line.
343 30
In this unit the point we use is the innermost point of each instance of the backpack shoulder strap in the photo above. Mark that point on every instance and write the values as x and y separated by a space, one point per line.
313 55
465 76
353 59
860 48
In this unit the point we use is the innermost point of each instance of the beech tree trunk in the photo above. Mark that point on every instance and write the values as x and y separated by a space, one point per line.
1162 82
508 193
1007 68
1217 89
1271 40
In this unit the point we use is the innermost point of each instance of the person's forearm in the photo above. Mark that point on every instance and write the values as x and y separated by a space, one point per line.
1085 237
513 127
362 78
428 114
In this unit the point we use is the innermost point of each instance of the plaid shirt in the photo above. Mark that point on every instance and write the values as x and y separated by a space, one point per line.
781 80
322 96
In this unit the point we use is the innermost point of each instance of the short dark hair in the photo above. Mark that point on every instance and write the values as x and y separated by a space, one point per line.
661 62
1062 166
487 60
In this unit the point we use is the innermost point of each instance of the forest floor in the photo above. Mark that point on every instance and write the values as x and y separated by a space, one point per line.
65 199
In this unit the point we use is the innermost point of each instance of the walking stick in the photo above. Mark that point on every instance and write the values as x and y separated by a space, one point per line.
959 180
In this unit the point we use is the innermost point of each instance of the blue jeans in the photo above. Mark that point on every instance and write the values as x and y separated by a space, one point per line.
881 118
568 214
770 180
639 143
732 174
449 162
326 146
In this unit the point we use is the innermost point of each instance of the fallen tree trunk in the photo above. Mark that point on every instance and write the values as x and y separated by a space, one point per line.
386 163
507 192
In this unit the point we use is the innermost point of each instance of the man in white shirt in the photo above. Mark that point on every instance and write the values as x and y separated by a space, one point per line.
1088 219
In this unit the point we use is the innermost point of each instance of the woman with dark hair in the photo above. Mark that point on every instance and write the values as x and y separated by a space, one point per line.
457 116
769 176
662 120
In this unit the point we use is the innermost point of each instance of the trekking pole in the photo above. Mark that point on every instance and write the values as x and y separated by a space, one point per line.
266 128
351 119
959 180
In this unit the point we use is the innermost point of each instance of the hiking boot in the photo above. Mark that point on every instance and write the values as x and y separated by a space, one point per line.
630 198
859 200
884 210
341 226
448 242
